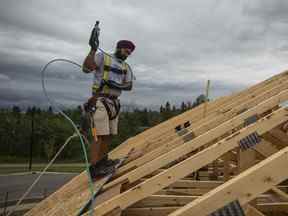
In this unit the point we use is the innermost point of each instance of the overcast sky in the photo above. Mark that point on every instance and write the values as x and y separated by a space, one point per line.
179 46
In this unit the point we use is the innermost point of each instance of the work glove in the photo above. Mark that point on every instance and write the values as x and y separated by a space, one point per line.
94 37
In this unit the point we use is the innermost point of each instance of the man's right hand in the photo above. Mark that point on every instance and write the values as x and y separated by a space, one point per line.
89 64
94 37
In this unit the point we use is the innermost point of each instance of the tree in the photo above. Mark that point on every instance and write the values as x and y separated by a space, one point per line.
183 107
199 100
162 109
167 107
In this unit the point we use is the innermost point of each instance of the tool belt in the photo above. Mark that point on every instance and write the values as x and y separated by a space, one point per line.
111 104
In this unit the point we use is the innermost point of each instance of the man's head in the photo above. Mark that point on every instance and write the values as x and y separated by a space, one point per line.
124 48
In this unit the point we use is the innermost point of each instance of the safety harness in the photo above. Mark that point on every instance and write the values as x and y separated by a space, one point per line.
107 69
102 91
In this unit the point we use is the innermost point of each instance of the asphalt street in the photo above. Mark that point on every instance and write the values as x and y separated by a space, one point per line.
17 184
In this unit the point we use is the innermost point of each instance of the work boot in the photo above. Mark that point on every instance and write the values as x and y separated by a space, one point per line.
103 167
110 162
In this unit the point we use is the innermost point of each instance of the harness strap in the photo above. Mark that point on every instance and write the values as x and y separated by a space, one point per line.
115 70
107 68
112 111
107 62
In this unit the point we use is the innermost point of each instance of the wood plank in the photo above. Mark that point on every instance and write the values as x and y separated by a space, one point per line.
166 127
266 148
155 211
251 211
200 129
189 165
164 200
246 159
243 188
273 207
199 141
185 191
232 109
195 184
76 185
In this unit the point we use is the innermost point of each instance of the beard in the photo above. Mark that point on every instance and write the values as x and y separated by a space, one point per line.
120 56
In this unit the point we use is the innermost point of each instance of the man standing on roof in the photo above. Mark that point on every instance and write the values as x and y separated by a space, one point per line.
112 75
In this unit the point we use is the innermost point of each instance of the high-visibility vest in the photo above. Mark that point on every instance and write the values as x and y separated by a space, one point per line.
107 69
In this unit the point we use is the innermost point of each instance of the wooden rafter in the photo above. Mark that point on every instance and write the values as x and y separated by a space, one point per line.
158 180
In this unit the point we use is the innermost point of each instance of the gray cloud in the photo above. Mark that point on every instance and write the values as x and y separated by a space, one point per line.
179 46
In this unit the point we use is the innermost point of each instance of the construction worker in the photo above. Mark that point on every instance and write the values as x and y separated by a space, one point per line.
112 75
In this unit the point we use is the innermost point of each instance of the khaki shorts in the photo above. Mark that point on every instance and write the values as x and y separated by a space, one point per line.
103 125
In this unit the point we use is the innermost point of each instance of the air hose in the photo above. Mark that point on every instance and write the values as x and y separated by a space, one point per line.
77 132
55 106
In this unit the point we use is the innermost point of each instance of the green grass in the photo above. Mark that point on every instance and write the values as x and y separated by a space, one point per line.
59 167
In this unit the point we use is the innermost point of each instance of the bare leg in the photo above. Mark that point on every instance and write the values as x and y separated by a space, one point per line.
99 148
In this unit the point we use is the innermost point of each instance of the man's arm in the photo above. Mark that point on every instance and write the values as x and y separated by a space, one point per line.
128 80
89 64
127 86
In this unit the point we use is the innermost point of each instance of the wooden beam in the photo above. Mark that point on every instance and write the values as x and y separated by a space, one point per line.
244 188
281 135
164 200
189 165
233 108
273 207
266 148
280 192
225 105
206 124
195 184
185 191
251 211
197 142
155 211
156 134
246 159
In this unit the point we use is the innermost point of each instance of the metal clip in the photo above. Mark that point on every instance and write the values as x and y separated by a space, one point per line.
178 128
232 209
187 124
249 141
250 120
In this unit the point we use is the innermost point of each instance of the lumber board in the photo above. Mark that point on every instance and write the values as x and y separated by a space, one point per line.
189 165
75 187
244 188
199 141
164 200
232 108
246 159
168 126
273 207
195 184
155 138
266 148
206 126
185 191
251 211
155 211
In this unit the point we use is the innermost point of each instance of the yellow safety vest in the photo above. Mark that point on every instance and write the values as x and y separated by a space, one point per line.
96 88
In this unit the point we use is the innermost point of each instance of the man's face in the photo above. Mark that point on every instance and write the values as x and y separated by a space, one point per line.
123 53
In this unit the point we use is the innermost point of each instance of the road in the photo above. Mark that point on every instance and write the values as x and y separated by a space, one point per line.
17 184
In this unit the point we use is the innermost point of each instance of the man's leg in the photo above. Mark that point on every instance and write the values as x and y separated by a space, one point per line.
99 148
